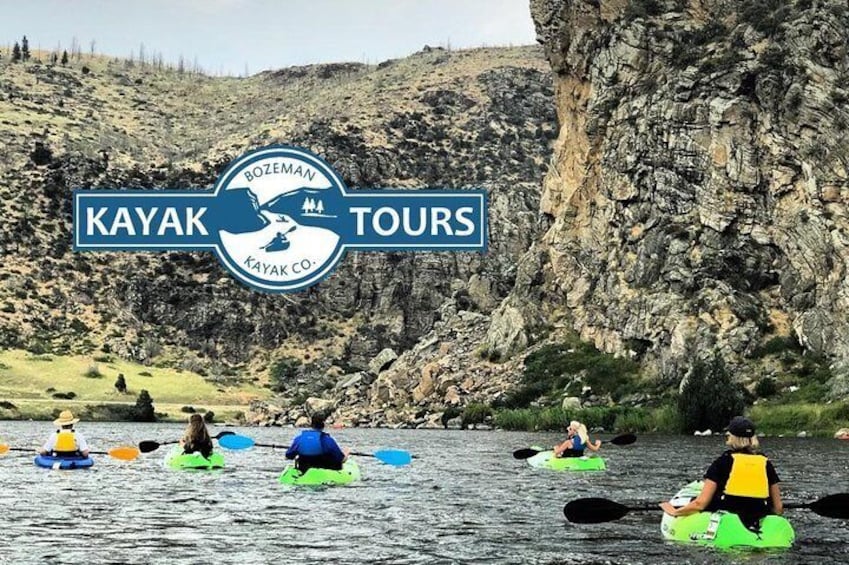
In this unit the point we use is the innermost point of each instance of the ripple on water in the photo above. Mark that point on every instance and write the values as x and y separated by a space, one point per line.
464 500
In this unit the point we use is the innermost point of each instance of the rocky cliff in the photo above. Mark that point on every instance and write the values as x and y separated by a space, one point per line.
699 186
696 202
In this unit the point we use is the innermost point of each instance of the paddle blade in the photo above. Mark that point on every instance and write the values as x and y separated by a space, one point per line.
234 441
4 448
397 457
624 439
148 446
124 453
832 506
524 453
593 511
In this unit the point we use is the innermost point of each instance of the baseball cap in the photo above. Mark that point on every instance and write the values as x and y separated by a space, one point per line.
741 427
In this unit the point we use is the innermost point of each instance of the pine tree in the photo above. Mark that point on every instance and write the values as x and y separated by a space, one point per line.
320 207
64 57
306 206
121 384
16 53
25 48
144 411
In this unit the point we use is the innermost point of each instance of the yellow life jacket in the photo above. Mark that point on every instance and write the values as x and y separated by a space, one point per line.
748 476
65 441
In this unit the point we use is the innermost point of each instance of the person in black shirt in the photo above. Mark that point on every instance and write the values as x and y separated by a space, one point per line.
741 480
197 437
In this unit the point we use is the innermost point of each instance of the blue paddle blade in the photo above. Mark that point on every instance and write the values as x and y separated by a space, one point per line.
235 441
396 457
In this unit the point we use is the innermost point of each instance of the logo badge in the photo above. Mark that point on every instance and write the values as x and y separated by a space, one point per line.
280 219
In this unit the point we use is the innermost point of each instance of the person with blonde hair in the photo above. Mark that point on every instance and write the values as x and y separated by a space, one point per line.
66 441
196 437
577 441
741 480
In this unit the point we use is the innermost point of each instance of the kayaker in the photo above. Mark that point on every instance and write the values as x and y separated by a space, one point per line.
741 480
66 441
315 448
197 437
578 440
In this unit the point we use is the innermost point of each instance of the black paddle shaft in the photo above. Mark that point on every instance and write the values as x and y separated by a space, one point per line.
149 445
598 510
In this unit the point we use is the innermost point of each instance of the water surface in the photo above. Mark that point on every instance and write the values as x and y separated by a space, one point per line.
464 500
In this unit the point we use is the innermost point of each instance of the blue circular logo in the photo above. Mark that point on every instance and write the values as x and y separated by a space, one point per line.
279 206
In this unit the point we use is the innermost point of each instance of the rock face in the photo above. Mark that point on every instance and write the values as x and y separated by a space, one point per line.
698 192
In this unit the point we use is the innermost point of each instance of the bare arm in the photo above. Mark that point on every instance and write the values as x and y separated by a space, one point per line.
594 447
775 496
696 505
558 449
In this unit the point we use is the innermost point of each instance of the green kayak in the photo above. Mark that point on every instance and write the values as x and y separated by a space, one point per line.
547 460
349 473
176 459
727 529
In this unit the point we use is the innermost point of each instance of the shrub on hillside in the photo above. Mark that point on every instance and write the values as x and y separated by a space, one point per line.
565 367
766 388
709 397
143 410
282 372
476 413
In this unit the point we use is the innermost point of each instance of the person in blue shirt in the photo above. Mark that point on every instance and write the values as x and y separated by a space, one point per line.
578 440
315 448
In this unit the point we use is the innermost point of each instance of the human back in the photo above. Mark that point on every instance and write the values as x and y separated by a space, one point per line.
66 441
744 477
316 448
742 480
196 437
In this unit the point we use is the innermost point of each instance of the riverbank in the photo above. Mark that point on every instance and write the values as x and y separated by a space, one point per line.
772 419
106 388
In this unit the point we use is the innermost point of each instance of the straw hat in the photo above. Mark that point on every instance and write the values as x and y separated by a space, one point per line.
66 418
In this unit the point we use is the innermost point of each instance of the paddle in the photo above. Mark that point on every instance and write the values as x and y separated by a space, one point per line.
149 445
624 439
122 453
598 510
395 457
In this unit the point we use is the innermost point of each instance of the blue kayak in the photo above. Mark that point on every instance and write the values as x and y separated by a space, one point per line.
64 462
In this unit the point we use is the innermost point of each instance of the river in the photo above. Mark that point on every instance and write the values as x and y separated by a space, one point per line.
464 500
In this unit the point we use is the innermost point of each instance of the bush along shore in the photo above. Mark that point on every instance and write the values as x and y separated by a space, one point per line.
572 380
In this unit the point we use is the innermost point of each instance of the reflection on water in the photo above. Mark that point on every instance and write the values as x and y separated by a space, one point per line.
464 500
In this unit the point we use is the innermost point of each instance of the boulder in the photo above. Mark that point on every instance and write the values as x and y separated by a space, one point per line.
382 361
426 386
454 423
452 396
571 403
350 380
314 404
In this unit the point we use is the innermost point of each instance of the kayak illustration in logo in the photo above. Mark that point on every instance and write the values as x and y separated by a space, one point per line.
280 219
278 230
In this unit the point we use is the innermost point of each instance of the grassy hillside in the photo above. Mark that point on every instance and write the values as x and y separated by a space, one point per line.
474 118
37 385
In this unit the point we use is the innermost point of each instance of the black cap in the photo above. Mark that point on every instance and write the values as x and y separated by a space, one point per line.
741 427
